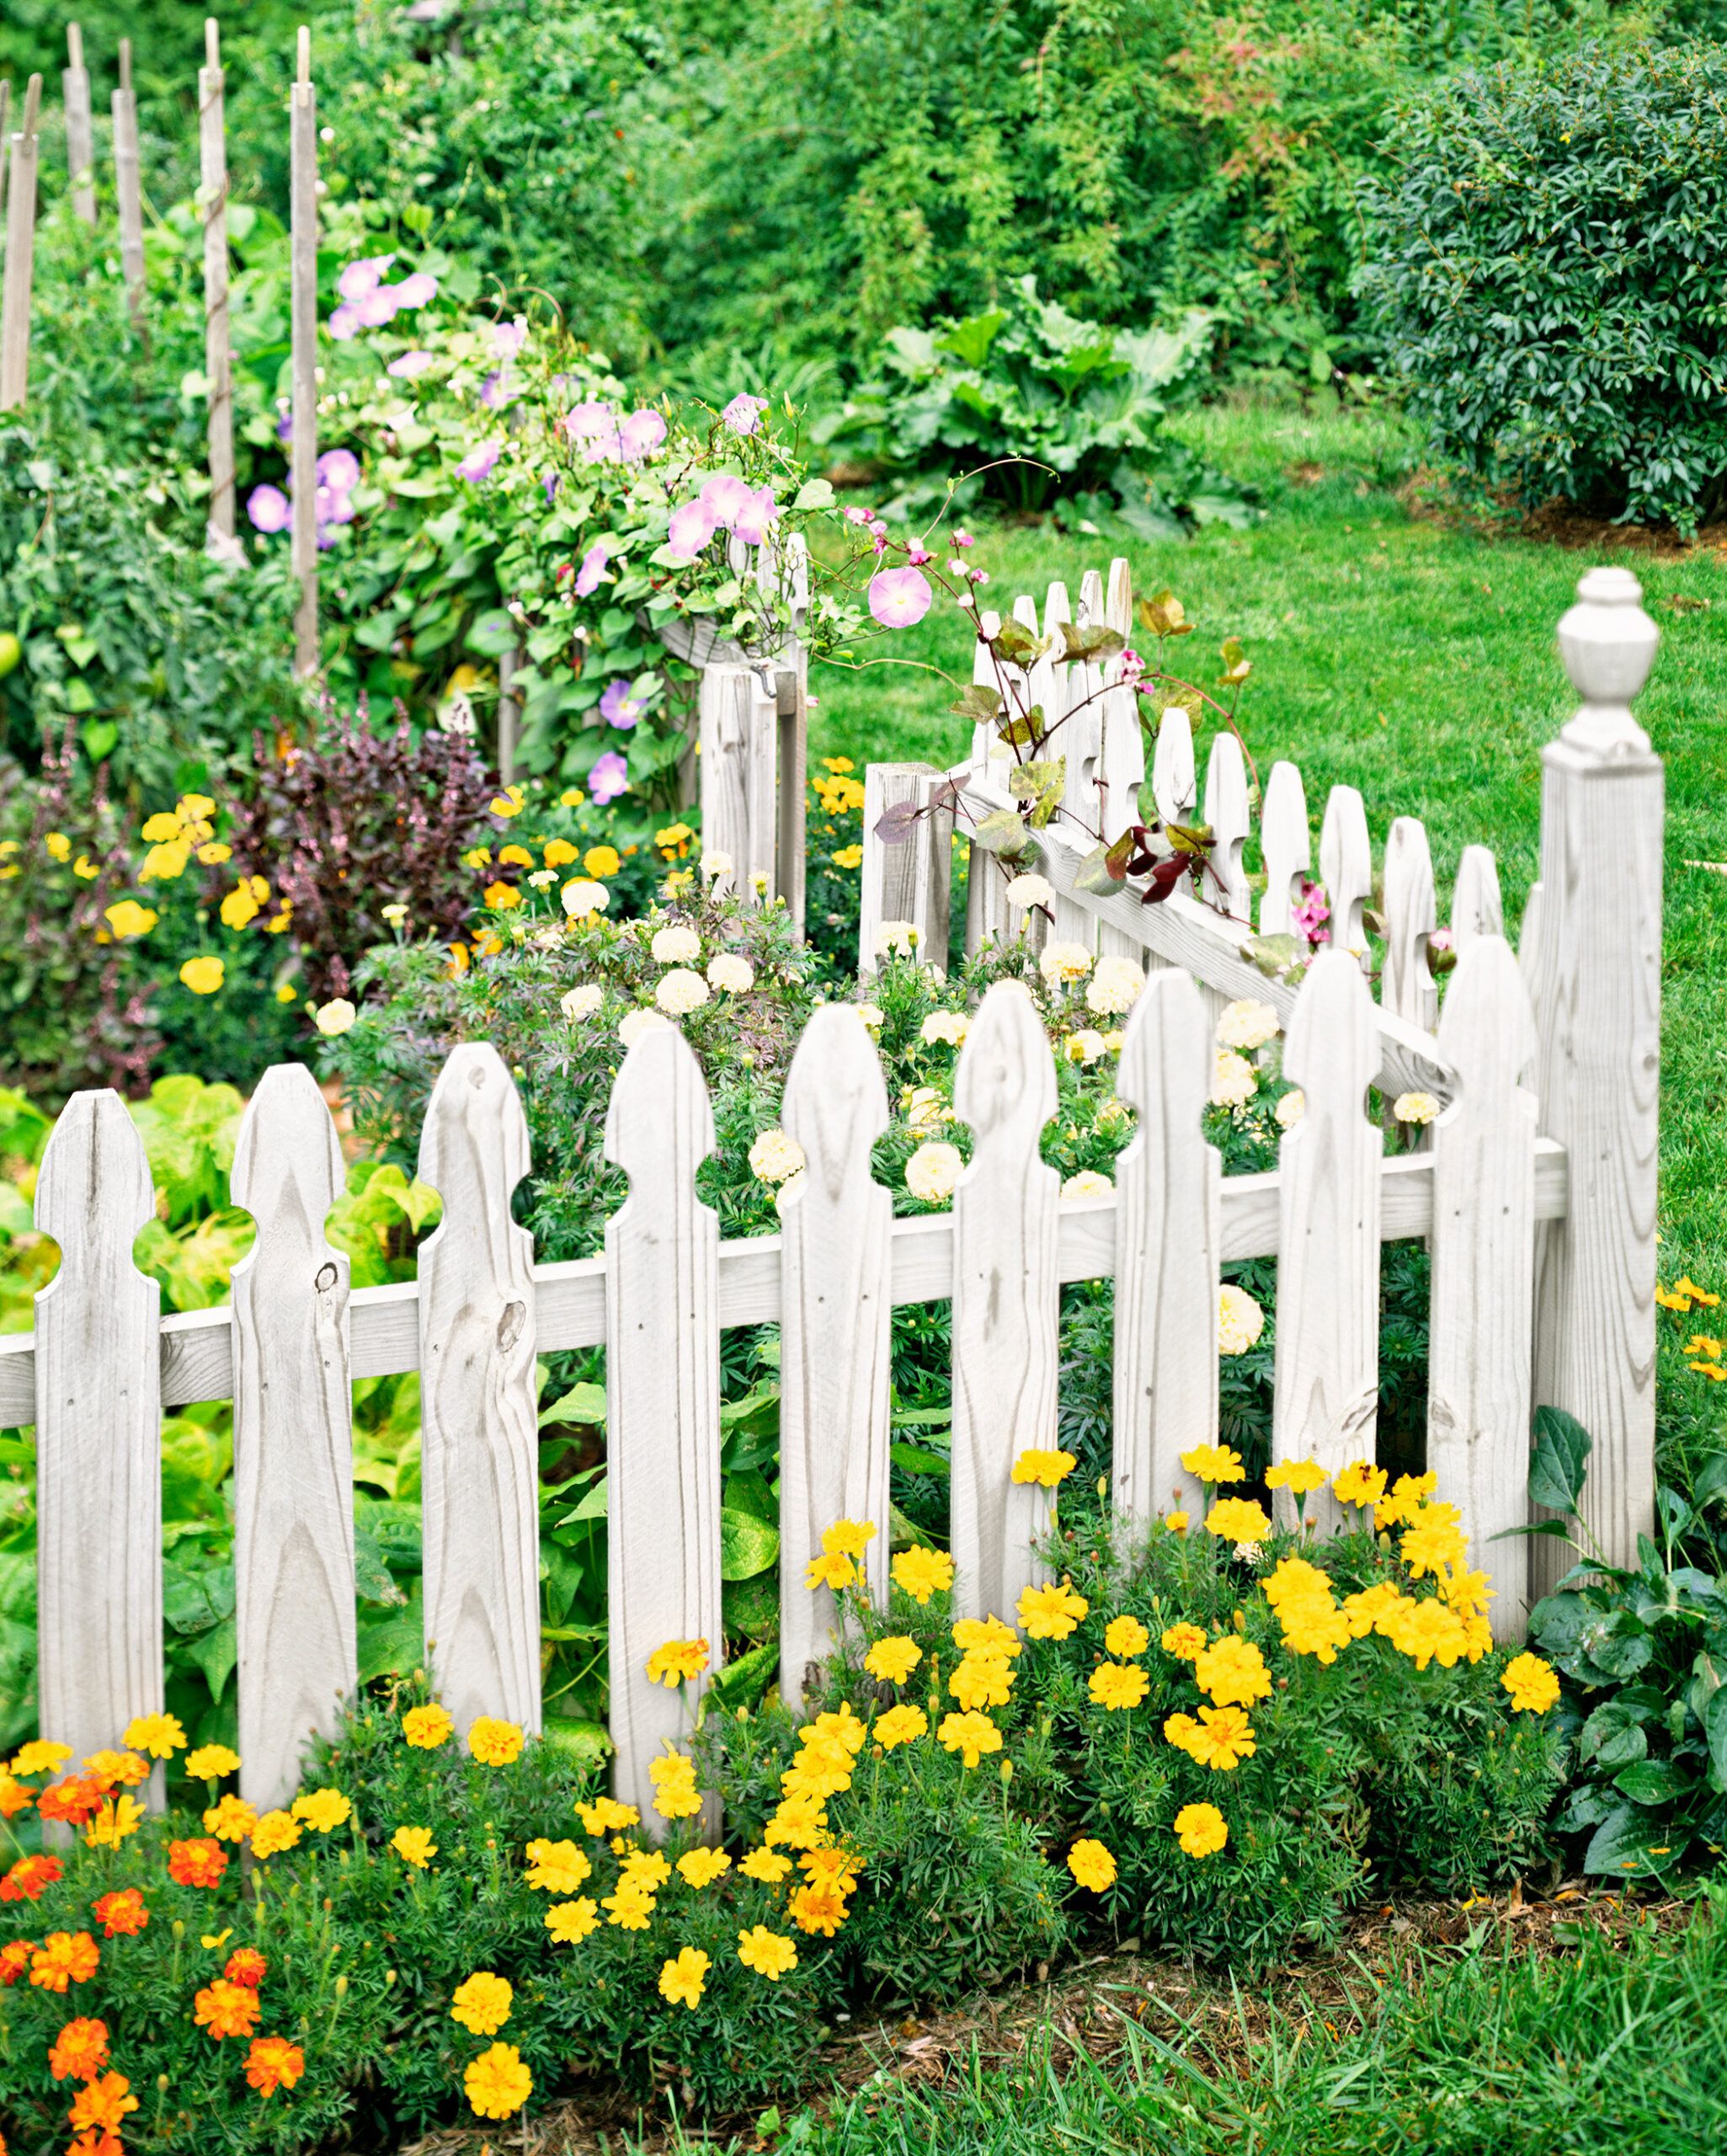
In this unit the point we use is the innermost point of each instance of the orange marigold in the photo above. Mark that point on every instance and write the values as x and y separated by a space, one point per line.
122 1913
103 2104
226 2010
198 1863
30 1877
63 1958
14 1960
273 2062
15 1797
80 2050
246 1966
73 1800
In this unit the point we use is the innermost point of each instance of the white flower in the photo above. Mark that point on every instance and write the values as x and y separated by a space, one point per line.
334 1017
675 947
1241 1320
398 912
758 880
871 1013
932 1171
631 1029
893 936
1233 1079
728 969
583 899
1088 1183
1114 987
1291 1107
1112 1111
1065 961
775 1157
1028 891
541 877
582 1002
1410 1108
925 1109
680 990
714 863
1083 1047
1246 1024
949 1025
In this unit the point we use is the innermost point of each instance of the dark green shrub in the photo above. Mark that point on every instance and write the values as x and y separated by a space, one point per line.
1543 273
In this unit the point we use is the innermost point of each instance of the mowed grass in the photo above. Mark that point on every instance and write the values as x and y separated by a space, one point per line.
1415 661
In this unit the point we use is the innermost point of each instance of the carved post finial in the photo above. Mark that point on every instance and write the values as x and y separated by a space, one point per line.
1608 643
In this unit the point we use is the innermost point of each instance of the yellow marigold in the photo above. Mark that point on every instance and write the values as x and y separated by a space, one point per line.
1092 1865
700 1868
323 1810
830 1569
128 919
900 1725
559 854
557 1867
849 1538
275 1832
820 1906
482 2002
1125 1637
203 975
920 1573
510 803
841 1725
502 896
982 1680
1116 1684
768 1953
683 1978
1221 1739
1360 1483
799 1822
631 1908
891 1661
493 1742
1295 1580
1175 1522
425 1728
1373 1609
116 1819
1215 1464
1044 1467
837 1867
768 1865
1201 1829
970 1735
605 1815
1300 1477
571 1922
677 1662
1407 1496
515 857
1428 1631
1315 1628
41 1756
1233 1671
675 1795
1238 1519
211 1762
1434 1540
231 1819
1051 1613
647 1869
497 2082
986 1636
159 1735
597 861
1184 1640
414 1845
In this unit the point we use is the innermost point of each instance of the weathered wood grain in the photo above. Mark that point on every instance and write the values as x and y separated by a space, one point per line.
914 880
1406 986
1286 845
20 252
1174 785
128 187
80 128
739 727
1346 867
1476 909
1226 810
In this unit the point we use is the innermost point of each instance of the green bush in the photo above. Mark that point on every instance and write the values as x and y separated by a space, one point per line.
1544 275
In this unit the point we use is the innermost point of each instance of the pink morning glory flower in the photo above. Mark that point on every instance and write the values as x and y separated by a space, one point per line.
753 522
900 597
411 364
268 509
609 777
582 422
418 289
742 415
692 526
593 569
365 276
378 307
727 497
962 538
495 392
340 470
641 433
917 556
344 322
1308 918
508 338
619 709
477 464
332 507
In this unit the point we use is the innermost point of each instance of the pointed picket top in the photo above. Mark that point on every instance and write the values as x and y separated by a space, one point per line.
1482 1317
1284 844
1172 776
1121 759
1407 987
1092 614
1057 608
1118 605
1006 1290
294 1611
836 1302
1325 1393
663 1405
99 1435
1227 812
479 1466
1346 867
1476 907
1168 1186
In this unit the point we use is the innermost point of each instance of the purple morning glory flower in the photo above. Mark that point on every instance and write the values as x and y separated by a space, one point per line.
642 432
727 497
477 464
411 364
418 289
619 709
609 777
344 322
285 425
900 597
378 306
593 569
333 507
339 469
508 338
492 393
268 509
742 415
584 422
692 526
365 276
753 522
550 483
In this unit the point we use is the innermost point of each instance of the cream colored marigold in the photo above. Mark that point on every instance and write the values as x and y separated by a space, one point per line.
1030 890
932 1171
1085 1047
1116 985
581 1001
1416 1108
775 1156
680 991
676 946
1241 1320
1246 1023
1063 962
894 937
632 1028
946 1027
1291 1107
1087 1182
583 898
731 971
1233 1080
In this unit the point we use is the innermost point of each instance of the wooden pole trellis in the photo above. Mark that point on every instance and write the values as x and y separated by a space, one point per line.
218 360
128 187
303 331
20 253
80 129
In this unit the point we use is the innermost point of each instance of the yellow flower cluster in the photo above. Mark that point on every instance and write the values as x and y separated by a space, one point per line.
843 1546
1048 1469
675 1795
678 1662
838 794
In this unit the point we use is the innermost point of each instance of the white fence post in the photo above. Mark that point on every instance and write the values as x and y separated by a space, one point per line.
303 140
218 360
1597 1001
1407 988
20 253
739 734
80 131
128 187
1284 844
911 881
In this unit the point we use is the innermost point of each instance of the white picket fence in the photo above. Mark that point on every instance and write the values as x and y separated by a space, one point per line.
1492 1196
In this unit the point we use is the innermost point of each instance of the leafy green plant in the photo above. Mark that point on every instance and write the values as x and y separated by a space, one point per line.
1541 277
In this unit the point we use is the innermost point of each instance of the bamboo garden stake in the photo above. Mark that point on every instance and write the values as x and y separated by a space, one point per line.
20 255
127 188
5 107
218 361
303 270
80 132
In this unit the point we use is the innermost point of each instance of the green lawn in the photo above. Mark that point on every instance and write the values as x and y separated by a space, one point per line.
1416 663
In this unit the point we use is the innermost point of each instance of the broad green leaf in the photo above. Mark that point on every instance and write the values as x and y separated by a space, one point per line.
1002 833
1557 1465
582 1404
1652 1781
585 1744
747 1546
